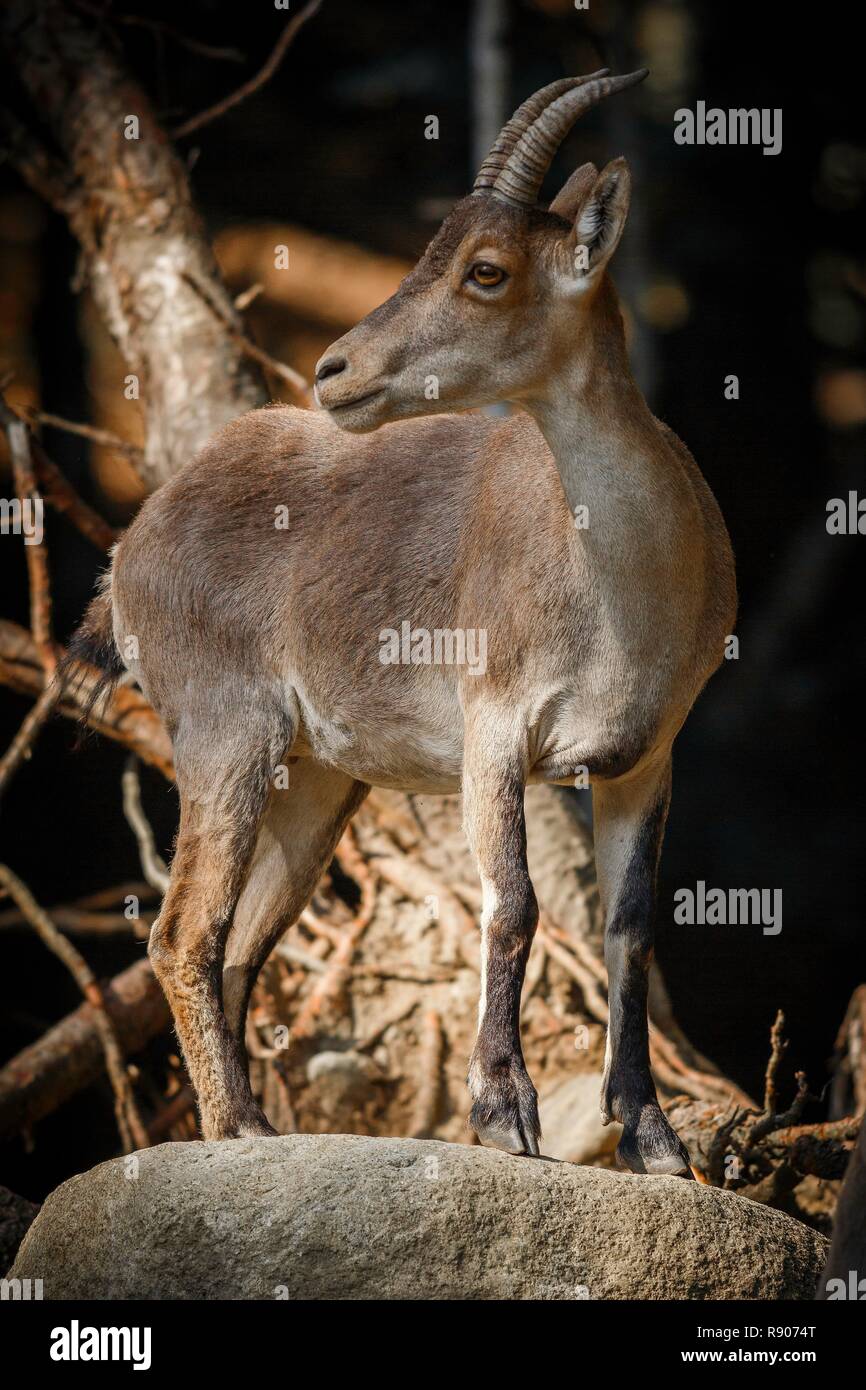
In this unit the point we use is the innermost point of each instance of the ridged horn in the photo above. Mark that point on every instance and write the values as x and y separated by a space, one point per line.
520 122
522 174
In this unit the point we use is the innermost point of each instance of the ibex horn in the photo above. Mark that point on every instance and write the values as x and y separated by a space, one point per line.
521 177
520 122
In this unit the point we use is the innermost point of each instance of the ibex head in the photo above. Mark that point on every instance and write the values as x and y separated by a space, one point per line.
494 305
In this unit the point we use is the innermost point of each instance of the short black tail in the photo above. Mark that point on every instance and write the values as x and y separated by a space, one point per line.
93 643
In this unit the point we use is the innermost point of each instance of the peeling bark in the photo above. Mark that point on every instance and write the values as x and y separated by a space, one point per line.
128 202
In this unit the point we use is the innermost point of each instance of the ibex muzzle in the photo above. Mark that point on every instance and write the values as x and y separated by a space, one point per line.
577 535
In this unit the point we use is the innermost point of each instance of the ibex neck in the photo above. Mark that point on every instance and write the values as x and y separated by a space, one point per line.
595 420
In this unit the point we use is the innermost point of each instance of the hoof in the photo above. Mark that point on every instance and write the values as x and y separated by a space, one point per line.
253 1126
513 1139
506 1117
652 1147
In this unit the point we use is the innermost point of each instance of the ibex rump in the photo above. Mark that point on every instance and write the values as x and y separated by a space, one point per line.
260 645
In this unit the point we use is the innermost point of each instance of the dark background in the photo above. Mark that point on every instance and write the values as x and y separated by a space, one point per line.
733 262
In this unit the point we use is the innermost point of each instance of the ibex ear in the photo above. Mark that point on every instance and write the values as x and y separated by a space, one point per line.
573 192
601 218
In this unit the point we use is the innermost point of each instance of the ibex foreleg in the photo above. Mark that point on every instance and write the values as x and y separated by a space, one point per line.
505 1109
629 818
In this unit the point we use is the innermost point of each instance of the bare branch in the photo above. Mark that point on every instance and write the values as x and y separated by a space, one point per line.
59 491
97 436
277 54
21 745
126 717
70 1055
132 1131
37 563
285 373
44 174
153 866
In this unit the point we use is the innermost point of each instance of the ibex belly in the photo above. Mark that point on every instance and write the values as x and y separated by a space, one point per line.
413 740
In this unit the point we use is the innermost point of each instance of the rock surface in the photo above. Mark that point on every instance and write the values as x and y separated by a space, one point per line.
16 1216
343 1217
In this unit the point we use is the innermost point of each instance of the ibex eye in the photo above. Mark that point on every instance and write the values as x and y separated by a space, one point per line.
486 275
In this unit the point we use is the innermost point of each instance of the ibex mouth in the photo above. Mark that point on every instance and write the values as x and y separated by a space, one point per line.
356 400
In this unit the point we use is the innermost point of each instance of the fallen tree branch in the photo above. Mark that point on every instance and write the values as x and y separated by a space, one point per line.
132 1131
70 1055
125 717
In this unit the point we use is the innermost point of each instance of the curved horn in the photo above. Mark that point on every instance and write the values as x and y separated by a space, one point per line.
520 122
522 175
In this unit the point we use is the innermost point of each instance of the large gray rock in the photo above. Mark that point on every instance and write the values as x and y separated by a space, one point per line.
342 1217
16 1217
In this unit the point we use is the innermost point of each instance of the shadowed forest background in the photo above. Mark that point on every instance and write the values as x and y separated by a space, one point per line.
732 263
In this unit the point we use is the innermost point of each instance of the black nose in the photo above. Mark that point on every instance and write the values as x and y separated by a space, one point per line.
332 366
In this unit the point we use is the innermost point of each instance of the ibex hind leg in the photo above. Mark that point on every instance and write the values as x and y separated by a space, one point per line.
227 752
629 818
297 837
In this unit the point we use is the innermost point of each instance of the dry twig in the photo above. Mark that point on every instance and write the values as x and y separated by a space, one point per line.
153 866
430 1082
132 1131
282 370
276 56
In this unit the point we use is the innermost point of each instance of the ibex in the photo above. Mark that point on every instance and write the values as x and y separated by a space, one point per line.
260 645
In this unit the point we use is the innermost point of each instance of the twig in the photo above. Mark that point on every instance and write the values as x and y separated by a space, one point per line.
177 1109
701 1085
264 75
60 492
430 1083
243 300
126 717
396 1016
778 1048
153 866
331 986
595 1004
132 1131
40 600
21 745
107 438
159 27
94 903
45 174
77 921
37 565
285 373
770 1121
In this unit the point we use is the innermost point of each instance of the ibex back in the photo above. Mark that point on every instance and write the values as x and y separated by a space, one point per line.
576 539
